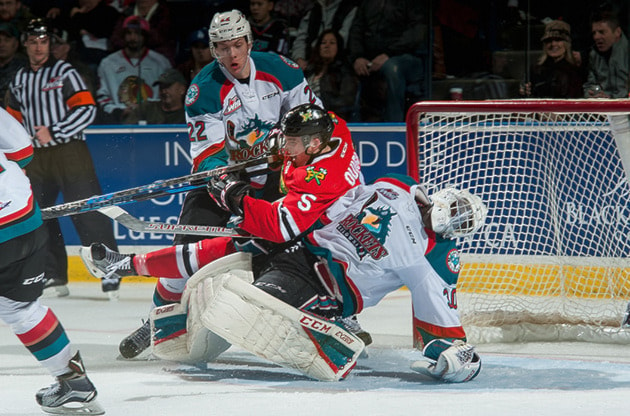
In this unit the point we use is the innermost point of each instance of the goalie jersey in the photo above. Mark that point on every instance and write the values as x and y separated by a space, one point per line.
19 213
230 120
375 242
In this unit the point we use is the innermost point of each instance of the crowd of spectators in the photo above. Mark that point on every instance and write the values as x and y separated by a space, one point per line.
367 59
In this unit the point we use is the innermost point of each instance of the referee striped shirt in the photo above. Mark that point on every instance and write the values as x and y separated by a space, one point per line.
54 96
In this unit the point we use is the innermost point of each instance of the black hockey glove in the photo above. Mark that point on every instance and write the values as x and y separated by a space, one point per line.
228 191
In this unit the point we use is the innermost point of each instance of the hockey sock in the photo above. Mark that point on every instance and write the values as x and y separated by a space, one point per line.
182 261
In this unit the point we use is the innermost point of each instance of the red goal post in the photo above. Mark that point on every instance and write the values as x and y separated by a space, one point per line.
551 262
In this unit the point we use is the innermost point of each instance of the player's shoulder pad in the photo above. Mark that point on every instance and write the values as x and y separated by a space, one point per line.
282 68
204 92
396 177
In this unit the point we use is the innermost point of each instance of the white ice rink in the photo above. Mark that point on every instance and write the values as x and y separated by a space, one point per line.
516 379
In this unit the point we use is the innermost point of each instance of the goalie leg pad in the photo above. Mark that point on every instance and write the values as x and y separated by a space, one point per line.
175 338
269 328
453 362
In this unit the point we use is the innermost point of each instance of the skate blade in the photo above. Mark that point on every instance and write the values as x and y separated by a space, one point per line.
76 408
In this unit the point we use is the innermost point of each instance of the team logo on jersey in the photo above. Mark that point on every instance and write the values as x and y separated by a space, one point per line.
452 261
289 62
249 142
368 230
192 95
316 175
388 193
233 104
53 84
134 90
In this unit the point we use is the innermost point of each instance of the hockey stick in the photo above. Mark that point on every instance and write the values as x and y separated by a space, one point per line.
136 224
152 190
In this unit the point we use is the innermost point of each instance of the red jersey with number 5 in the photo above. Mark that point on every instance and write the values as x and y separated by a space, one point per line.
310 190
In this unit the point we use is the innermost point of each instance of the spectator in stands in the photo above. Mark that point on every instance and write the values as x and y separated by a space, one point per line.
292 11
64 50
325 14
10 59
330 75
49 9
608 60
199 54
556 74
386 47
170 108
13 11
161 36
90 24
127 76
270 34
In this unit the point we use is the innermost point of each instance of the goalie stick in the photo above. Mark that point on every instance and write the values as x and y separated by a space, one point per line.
136 224
150 191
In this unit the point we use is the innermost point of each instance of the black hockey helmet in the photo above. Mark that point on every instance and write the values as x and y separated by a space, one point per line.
38 28
306 121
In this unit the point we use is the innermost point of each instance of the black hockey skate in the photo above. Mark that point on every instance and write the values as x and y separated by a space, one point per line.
351 323
73 393
138 341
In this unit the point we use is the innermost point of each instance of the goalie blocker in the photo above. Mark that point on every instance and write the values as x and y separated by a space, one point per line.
224 307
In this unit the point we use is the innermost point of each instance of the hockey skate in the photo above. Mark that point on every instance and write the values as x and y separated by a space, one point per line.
73 393
108 265
138 341
351 323
54 287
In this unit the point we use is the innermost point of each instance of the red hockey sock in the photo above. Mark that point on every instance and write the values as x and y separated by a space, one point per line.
182 261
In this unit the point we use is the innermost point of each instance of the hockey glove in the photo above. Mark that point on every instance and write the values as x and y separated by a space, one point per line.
453 362
228 191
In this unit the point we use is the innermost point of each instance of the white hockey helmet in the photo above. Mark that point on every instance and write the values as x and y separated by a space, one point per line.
457 213
228 26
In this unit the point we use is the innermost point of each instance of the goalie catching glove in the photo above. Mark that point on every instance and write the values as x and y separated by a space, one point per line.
228 191
453 362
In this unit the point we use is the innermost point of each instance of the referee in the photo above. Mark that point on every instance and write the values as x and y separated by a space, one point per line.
51 100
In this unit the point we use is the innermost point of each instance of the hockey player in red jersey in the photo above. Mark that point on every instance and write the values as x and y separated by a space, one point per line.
23 247
231 106
319 165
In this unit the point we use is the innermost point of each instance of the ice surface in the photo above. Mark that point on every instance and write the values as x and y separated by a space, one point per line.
516 379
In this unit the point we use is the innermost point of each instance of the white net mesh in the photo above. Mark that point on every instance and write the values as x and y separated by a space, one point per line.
551 260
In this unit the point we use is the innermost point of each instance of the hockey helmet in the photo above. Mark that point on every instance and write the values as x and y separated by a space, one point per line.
36 27
457 213
307 121
228 26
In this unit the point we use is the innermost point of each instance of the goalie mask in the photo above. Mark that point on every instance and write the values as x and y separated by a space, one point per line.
228 26
306 122
457 213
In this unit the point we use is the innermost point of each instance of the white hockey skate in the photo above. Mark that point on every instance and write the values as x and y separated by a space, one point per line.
108 265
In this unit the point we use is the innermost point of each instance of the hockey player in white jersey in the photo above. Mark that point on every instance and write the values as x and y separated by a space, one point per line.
374 240
377 239
231 107
22 260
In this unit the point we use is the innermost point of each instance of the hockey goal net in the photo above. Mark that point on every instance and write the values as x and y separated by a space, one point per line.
551 262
